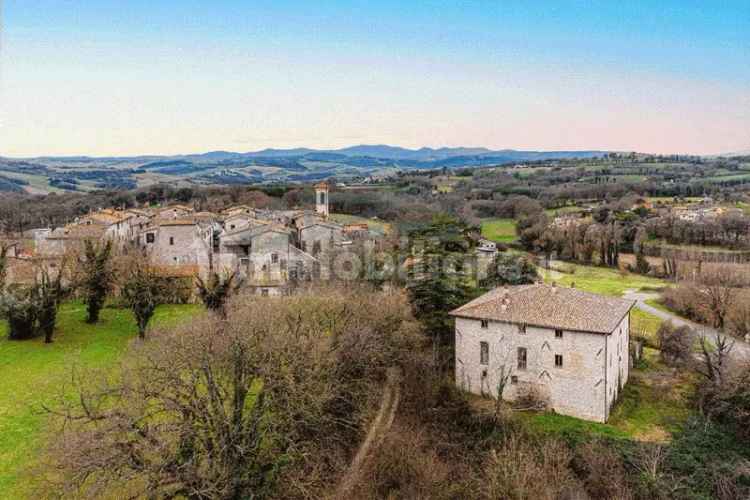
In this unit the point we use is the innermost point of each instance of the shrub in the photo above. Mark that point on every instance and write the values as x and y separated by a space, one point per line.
602 471
21 310
406 466
675 343
521 469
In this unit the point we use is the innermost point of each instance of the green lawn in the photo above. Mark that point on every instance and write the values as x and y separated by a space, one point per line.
603 280
657 303
655 403
644 324
499 230
32 372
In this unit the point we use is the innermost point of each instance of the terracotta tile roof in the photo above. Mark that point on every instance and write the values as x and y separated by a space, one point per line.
548 306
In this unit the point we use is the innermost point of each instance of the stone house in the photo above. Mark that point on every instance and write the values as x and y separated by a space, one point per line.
239 210
320 237
63 240
265 257
570 346
240 220
180 242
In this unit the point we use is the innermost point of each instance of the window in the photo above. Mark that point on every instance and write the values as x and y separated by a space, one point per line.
274 258
321 198
316 247
150 237
558 334
304 246
171 240
521 329
558 360
264 292
484 353
521 358
485 323
514 379
231 226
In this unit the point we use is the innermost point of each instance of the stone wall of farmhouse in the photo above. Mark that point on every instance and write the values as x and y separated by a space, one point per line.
617 360
576 389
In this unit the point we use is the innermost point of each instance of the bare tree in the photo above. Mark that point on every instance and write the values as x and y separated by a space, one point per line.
715 358
675 343
235 408
216 290
719 294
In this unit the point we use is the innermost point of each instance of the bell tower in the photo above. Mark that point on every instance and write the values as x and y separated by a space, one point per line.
321 199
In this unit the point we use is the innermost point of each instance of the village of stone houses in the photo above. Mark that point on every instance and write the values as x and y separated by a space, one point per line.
404 335
374 250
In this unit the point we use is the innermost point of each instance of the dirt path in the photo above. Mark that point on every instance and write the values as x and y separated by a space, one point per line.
375 435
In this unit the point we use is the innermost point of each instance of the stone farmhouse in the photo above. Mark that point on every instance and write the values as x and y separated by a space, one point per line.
268 249
570 346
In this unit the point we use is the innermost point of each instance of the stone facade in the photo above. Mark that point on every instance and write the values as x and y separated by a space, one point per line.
320 237
594 366
179 243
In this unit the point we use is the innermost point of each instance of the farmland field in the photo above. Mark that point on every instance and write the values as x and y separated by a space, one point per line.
499 230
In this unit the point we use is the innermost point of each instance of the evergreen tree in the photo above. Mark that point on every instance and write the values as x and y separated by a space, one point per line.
3 264
21 310
142 292
510 269
98 277
49 292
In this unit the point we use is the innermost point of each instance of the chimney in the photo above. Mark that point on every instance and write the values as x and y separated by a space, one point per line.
505 302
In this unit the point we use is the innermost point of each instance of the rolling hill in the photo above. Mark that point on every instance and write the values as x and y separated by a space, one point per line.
83 173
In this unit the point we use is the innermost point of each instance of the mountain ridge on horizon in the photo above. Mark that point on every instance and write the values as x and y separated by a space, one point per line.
384 151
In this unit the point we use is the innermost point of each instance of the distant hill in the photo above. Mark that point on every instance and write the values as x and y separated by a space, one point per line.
746 152
86 173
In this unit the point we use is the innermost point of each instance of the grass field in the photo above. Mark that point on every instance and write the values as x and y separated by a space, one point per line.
32 372
601 280
654 404
644 324
499 230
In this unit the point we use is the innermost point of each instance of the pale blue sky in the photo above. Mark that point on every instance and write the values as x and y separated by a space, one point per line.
105 77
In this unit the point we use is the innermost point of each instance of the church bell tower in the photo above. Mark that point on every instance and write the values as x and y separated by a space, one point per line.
321 199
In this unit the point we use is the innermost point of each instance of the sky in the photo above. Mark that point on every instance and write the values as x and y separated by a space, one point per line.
114 77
